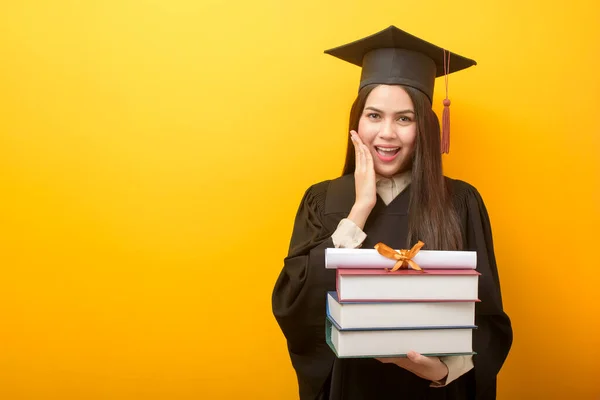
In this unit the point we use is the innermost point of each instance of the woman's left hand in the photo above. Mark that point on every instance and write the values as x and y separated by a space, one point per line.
430 368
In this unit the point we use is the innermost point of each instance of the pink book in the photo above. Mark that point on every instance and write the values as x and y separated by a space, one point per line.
377 285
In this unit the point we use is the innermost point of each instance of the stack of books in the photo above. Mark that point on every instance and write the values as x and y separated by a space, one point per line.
377 311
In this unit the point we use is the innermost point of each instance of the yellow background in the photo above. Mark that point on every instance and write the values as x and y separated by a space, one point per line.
153 154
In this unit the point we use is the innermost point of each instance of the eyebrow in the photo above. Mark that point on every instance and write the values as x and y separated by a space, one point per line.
397 112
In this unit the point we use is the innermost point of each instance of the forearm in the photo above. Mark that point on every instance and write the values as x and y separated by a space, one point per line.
359 214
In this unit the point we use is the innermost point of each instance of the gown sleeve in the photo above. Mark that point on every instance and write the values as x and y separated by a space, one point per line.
299 295
493 337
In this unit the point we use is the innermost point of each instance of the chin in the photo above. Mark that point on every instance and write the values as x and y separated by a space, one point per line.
388 171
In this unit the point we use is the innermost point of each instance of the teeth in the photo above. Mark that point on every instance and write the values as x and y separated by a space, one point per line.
388 150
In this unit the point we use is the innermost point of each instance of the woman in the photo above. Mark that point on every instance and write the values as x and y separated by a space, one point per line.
392 190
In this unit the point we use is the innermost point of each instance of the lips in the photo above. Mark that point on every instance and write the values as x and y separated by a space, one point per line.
387 154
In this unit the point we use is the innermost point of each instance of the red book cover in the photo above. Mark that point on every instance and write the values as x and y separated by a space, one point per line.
410 274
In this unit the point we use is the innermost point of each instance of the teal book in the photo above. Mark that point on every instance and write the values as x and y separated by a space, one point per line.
379 343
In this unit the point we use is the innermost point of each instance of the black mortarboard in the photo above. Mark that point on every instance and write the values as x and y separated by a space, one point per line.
393 56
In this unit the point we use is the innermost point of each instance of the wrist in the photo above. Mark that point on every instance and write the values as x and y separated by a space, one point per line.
443 372
359 213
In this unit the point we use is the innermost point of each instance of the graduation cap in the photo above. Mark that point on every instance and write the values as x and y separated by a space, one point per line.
393 56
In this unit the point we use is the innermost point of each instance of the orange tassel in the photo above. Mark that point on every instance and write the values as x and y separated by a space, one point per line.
446 114
446 127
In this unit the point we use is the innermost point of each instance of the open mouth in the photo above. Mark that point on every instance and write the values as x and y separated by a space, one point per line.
387 151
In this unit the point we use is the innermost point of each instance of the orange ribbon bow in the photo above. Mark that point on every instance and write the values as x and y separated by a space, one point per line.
403 257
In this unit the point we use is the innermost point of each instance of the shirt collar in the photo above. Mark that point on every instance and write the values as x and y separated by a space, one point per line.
401 180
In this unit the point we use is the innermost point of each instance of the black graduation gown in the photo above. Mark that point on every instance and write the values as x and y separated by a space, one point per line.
299 299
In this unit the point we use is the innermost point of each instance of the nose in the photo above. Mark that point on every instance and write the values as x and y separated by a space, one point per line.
387 130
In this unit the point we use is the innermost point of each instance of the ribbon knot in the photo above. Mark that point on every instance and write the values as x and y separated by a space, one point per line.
403 257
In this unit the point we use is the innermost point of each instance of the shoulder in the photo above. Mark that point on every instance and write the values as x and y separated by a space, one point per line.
331 195
469 204
466 198
462 191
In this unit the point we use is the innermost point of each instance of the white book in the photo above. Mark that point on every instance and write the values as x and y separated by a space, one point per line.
336 258
390 315
397 343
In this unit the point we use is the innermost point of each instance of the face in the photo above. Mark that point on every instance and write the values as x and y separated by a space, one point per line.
387 126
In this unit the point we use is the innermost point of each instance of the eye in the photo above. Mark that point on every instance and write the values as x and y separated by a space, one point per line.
404 118
373 115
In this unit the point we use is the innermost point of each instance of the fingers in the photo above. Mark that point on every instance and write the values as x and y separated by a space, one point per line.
416 357
364 158
368 159
359 148
425 367
421 359
394 360
355 139
413 360
428 367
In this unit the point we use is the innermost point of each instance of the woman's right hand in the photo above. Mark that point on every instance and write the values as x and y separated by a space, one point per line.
364 182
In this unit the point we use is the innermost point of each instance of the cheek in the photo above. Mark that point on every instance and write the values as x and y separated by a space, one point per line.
366 131
409 137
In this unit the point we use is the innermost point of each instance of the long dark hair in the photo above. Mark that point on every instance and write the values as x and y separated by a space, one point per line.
432 217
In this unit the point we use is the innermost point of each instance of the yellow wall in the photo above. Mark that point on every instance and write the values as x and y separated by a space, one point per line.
141 142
